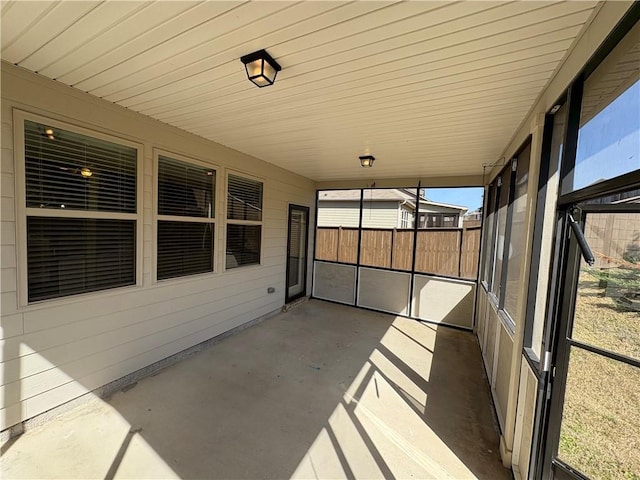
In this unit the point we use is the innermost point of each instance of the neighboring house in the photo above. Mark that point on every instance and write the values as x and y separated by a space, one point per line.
384 208
473 219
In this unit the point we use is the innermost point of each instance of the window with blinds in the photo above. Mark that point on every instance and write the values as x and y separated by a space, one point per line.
244 221
244 199
81 207
186 218
65 169
67 256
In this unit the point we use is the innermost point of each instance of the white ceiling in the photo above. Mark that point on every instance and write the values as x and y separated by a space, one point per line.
429 88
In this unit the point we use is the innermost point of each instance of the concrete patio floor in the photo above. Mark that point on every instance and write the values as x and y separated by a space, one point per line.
321 391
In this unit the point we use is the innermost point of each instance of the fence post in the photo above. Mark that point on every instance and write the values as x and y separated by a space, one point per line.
461 233
393 243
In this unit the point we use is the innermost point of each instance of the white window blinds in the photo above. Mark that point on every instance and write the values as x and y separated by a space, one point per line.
70 252
186 211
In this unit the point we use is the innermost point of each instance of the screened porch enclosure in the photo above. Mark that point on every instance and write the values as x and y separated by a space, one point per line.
154 200
375 250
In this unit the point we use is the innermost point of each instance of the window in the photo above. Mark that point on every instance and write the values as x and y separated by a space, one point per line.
81 211
609 134
501 230
186 218
488 260
543 236
244 221
517 232
506 230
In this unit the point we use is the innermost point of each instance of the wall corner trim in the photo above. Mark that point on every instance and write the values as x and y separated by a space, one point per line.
505 453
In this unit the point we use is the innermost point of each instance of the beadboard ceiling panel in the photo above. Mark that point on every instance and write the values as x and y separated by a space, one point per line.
429 88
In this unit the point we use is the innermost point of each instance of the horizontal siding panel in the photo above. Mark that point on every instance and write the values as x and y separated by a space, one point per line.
336 214
41 403
163 293
8 279
8 303
7 209
155 343
7 185
10 326
12 414
8 257
6 164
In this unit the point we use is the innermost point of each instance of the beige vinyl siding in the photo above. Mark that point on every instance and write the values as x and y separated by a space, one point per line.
346 214
338 214
54 351
380 214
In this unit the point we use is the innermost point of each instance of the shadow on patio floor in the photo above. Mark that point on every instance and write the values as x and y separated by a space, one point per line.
322 391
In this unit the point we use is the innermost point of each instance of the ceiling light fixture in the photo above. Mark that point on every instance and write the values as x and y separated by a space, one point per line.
49 133
367 160
86 172
261 68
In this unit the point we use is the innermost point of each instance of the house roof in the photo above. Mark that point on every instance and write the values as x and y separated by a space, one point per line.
429 88
385 194
381 195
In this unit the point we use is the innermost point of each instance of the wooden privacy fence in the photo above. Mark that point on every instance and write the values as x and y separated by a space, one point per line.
443 251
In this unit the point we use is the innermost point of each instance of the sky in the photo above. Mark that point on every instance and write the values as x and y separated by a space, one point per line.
609 143
470 197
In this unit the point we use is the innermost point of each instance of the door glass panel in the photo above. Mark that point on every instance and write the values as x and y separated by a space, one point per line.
601 419
607 313
297 260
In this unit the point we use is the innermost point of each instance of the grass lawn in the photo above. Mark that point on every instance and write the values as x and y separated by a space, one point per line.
600 433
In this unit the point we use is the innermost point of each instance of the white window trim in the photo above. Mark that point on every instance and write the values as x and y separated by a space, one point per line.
157 153
22 211
227 221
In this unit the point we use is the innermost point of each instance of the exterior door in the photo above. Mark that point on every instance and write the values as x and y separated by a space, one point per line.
297 252
594 416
